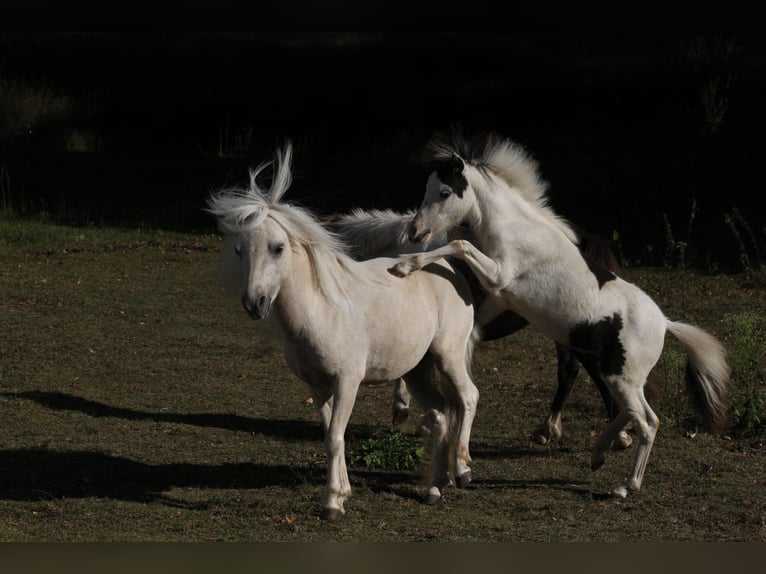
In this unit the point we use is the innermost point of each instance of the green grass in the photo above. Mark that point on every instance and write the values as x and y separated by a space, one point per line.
140 403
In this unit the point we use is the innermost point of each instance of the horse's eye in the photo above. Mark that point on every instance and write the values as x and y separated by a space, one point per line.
445 193
238 251
278 249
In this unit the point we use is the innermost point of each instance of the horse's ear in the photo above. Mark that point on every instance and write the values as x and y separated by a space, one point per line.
456 164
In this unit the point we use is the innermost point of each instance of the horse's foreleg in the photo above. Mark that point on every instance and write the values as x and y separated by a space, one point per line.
338 485
486 269
322 398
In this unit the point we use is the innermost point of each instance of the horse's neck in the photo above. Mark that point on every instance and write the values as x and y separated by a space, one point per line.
299 301
495 214
500 212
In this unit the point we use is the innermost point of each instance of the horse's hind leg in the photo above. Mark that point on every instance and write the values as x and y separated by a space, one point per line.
463 398
400 409
422 384
622 439
633 408
567 371
645 422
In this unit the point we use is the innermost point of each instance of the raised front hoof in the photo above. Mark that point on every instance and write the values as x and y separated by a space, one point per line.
463 480
597 463
397 271
399 416
430 499
331 514
623 441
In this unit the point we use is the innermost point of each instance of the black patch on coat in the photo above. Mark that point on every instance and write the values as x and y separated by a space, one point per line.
450 172
602 274
602 341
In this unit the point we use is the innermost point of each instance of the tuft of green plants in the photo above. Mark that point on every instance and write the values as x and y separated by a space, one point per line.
747 395
747 389
394 451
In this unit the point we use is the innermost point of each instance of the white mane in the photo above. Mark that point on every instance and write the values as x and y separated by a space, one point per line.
371 233
242 210
510 163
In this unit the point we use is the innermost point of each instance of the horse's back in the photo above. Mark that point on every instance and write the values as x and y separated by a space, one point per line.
402 319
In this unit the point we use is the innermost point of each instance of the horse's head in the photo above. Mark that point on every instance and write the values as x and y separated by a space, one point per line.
265 255
445 203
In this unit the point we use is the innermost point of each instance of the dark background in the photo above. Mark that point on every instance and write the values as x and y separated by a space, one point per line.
620 124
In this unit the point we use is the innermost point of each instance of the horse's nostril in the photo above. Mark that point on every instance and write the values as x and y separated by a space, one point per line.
418 236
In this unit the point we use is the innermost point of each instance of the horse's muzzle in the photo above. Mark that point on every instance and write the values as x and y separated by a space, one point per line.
419 236
257 308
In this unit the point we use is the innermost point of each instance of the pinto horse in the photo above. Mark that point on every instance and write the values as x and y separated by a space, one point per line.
376 232
340 321
527 257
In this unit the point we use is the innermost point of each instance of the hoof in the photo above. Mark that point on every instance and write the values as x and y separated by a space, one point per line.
431 499
331 514
623 441
400 416
540 439
463 480
596 464
620 492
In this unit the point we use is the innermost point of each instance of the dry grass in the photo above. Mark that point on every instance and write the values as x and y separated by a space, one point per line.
139 403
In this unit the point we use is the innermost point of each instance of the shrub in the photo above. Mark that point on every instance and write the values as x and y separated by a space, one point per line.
396 451
747 395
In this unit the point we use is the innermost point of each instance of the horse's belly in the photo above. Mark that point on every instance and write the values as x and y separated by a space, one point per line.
388 362
552 318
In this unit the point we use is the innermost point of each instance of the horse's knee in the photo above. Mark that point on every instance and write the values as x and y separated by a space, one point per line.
334 445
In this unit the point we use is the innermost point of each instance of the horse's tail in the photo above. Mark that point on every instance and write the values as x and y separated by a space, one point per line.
707 372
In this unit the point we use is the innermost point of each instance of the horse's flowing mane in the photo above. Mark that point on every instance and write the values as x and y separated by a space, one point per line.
507 160
371 233
240 210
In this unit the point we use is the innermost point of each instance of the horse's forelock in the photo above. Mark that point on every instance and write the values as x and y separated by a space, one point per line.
238 210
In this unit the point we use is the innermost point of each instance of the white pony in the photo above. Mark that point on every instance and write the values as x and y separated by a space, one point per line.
341 324
527 256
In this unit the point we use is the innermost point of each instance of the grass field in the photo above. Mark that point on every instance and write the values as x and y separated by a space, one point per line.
140 403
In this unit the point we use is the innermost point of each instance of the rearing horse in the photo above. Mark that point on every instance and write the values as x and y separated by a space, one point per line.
527 257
